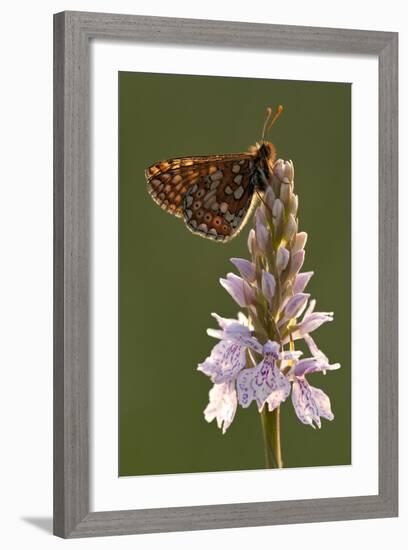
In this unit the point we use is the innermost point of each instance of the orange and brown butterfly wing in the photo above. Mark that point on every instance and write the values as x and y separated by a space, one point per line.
169 180
212 193
218 205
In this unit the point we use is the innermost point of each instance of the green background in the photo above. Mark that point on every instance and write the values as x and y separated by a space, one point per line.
168 277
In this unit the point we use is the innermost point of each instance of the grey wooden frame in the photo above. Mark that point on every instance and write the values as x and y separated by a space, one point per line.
72 34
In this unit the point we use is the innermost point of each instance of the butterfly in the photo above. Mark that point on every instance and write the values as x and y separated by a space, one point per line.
214 194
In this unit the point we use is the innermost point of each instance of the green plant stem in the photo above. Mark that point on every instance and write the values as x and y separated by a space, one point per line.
271 437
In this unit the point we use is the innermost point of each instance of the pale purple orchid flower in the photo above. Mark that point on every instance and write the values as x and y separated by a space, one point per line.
226 367
228 357
295 306
301 281
245 268
318 355
244 369
310 403
239 289
311 321
227 360
265 382
222 405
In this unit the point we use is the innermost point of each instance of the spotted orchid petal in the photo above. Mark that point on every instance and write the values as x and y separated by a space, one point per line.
317 353
278 395
238 335
262 382
246 269
304 366
310 403
312 364
222 405
226 361
239 289
272 348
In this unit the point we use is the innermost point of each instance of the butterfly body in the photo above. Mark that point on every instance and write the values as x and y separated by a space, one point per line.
213 194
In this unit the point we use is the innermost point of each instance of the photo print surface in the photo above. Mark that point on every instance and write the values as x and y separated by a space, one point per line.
234 274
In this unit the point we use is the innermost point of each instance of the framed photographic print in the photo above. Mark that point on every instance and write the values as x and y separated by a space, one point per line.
225 274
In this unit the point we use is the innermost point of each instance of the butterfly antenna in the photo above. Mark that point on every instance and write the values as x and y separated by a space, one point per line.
268 116
278 113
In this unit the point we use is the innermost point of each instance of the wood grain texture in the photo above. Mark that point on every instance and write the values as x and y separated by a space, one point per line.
71 283
388 273
72 33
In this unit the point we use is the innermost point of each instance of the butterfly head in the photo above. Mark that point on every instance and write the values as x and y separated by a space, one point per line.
266 150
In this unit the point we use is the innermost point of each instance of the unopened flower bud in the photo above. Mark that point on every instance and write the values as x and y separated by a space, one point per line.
300 242
239 289
293 204
289 171
260 218
296 262
262 237
290 228
270 197
301 281
285 192
251 242
277 212
296 305
279 169
268 285
246 269
282 258
261 231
